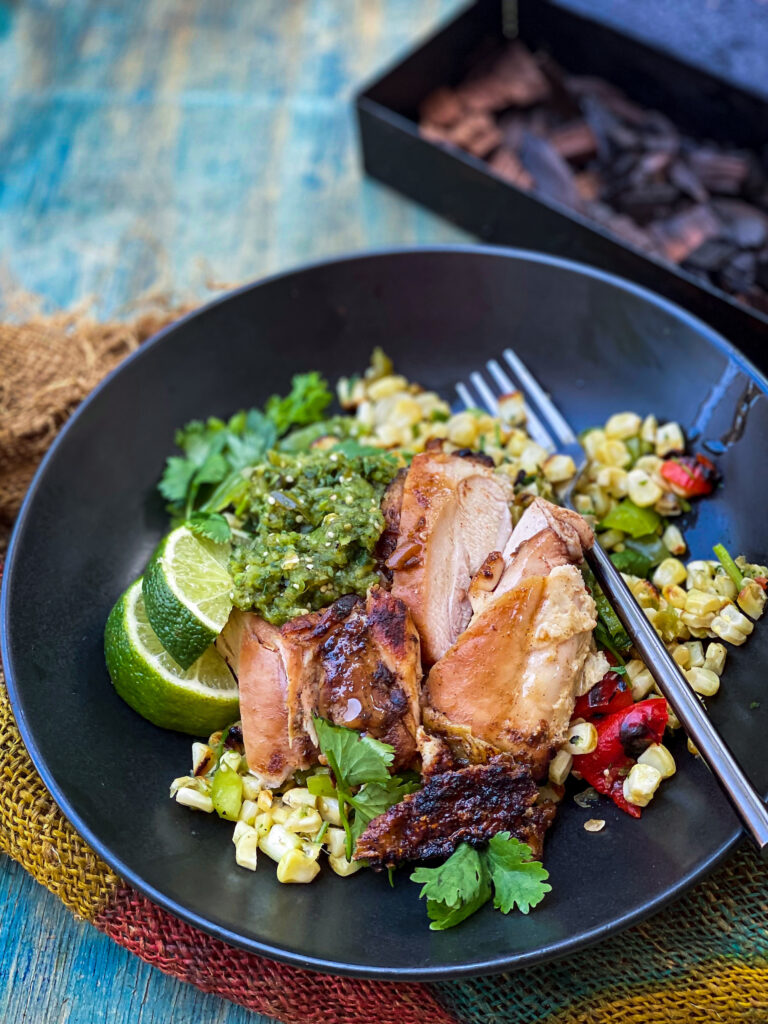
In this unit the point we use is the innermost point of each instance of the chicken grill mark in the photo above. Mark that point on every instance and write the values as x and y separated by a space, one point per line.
469 805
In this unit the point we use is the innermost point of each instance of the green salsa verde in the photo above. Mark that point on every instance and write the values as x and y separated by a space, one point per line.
313 521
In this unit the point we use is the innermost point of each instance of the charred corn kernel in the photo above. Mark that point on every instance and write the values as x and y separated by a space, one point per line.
650 464
641 685
336 841
265 800
674 595
231 759
385 387
698 602
673 541
406 412
582 739
641 783
733 617
251 788
559 468
673 722
698 625
658 757
752 599
560 767
248 811
623 425
246 851
462 429
669 572
700 575
278 841
599 501
189 782
328 806
215 739
724 586
610 538
192 798
295 867
634 667
612 453
429 403
202 758
613 480
594 825
644 592
512 408
714 659
304 819
550 794
692 748
703 681
300 797
242 829
641 489
695 650
532 457
280 813
583 504
591 441
681 655
669 438
668 505
344 867
310 848
263 822
649 429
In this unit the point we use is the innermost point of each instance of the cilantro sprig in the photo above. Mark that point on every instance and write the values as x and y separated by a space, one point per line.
364 787
208 478
470 876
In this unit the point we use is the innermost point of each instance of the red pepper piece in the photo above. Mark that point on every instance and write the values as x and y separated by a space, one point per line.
621 738
690 476
610 694
762 581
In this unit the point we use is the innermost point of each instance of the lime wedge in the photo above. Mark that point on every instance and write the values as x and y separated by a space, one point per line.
188 593
198 700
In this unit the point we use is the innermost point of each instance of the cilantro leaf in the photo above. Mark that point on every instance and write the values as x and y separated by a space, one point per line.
518 881
176 479
306 403
360 759
211 525
455 889
374 798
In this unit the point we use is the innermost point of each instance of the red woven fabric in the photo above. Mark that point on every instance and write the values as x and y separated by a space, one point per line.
292 995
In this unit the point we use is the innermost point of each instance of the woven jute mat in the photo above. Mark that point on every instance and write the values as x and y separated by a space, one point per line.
703 960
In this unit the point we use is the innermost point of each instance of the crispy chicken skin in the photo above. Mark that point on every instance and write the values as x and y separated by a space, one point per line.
356 663
513 675
391 505
258 655
545 537
367 669
454 511
468 805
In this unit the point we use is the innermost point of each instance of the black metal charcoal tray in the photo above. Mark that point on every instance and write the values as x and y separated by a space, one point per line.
463 189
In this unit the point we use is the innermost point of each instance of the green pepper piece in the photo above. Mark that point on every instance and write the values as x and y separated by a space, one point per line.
227 793
321 785
723 556
630 518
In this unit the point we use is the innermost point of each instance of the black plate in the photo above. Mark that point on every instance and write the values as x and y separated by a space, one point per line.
92 518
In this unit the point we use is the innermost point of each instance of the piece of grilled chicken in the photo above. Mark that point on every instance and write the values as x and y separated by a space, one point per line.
511 679
454 510
355 663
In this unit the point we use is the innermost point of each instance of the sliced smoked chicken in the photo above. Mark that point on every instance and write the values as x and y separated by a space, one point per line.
453 512
367 669
468 805
263 664
355 663
511 679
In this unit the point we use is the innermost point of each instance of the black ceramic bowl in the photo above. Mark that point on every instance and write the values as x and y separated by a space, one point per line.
93 516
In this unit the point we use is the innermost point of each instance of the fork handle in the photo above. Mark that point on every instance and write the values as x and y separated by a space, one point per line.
684 702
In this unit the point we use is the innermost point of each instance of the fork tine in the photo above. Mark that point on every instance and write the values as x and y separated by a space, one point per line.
534 426
465 396
532 388
491 402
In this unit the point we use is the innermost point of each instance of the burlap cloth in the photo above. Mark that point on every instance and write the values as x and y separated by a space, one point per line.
704 959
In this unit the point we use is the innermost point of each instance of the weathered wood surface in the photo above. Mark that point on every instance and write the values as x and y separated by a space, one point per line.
162 144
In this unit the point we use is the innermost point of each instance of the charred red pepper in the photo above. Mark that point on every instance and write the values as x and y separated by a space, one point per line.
621 738
610 694
690 476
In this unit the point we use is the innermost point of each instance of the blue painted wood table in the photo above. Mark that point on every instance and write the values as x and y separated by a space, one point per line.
161 145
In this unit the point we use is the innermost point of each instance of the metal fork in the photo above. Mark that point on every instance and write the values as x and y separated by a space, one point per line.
547 427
